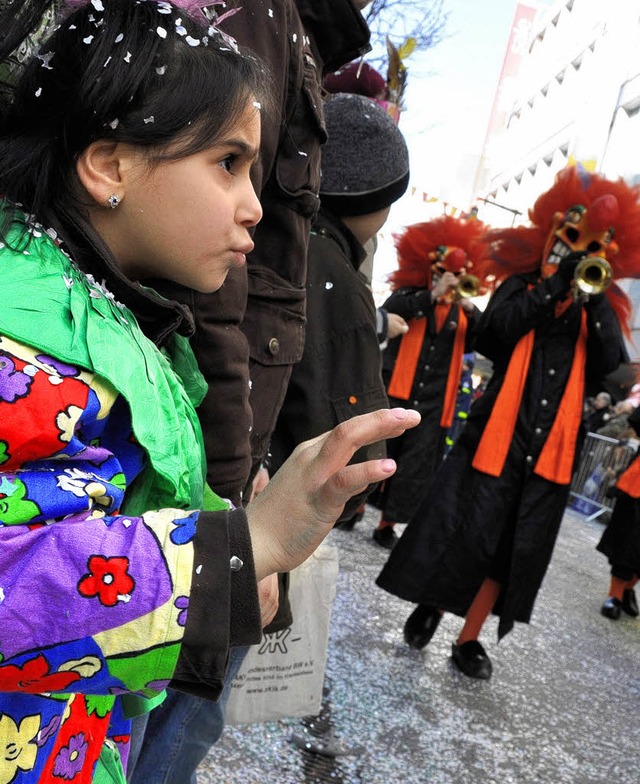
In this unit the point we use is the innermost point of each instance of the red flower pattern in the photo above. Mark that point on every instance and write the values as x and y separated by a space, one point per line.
34 677
107 579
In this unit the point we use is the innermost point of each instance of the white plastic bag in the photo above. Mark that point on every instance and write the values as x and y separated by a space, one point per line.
283 676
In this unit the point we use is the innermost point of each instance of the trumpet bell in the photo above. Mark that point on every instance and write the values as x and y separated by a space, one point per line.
593 275
467 286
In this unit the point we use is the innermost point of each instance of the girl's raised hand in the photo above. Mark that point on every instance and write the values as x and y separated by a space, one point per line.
299 506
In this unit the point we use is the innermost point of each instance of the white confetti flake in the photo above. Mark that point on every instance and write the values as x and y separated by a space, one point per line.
271 13
304 154
97 4
258 105
127 57
1 594
46 59
149 119
192 41
107 61
164 8
294 37
124 597
126 522
161 70
87 40
68 282
198 569
38 92
114 123
30 370
55 380
181 30
328 285
119 38
73 27
161 32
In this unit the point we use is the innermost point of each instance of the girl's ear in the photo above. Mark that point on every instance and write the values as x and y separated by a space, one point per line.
101 170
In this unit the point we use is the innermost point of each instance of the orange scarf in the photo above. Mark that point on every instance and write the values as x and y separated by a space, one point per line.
555 462
404 370
629 482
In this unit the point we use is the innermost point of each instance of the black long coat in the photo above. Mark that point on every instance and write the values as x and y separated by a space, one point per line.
620 541
472 525
419 451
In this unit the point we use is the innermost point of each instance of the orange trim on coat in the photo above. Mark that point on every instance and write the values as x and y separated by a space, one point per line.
404 370
455 368
498 433
629 482
555 462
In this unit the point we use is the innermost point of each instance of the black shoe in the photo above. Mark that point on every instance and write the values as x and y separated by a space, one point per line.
348 525
421 626
386 537
471 659
612 608
630 603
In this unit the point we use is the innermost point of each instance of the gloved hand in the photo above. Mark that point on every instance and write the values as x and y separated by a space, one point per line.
568 265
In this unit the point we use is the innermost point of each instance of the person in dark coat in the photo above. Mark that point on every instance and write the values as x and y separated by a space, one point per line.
365 169
482 539
620 541
422 368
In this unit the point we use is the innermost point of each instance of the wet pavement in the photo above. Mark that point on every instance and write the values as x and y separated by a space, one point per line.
562 707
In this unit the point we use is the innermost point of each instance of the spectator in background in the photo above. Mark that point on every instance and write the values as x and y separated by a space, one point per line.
598 413
365 169
617 424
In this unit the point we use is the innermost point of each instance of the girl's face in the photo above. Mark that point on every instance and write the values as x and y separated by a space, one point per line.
188 220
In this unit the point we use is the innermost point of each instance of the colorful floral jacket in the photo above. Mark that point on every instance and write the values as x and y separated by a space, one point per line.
94 589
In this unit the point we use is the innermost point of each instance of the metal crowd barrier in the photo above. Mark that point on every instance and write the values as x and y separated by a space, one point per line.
602 461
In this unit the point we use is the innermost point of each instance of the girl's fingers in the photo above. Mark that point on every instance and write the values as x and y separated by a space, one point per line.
354 479
342 442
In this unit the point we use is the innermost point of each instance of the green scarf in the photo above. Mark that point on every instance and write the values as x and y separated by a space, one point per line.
52 306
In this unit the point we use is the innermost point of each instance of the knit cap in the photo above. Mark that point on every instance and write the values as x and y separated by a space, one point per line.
359 78
365 162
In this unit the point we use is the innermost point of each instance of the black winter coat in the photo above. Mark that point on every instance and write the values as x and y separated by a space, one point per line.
339 375
472 525
418 452
251 332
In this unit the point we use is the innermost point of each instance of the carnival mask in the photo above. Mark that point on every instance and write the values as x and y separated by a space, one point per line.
581 228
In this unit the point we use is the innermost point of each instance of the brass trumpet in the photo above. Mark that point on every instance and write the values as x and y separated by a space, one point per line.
467 286
593 275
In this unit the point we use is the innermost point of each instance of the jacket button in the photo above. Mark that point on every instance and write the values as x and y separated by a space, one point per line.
274 346
529 459
538 430
552 372
543 402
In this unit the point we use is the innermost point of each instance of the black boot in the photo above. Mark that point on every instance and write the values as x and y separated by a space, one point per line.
421 625
471 659
611 608
630 603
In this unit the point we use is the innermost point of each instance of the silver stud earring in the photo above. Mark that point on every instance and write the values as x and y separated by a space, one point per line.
114 201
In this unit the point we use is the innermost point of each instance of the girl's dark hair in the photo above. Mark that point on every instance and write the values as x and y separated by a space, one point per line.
140 72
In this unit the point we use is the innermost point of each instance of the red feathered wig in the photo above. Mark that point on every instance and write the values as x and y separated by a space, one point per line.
520 249
417 244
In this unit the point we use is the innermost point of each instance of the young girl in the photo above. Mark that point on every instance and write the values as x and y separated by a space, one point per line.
126 144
